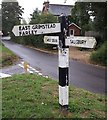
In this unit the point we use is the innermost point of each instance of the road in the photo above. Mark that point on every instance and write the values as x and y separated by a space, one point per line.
81 75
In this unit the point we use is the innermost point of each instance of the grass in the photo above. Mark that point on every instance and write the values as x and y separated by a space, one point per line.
7 57
33 96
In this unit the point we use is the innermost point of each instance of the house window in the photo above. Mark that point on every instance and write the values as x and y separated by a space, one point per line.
71 32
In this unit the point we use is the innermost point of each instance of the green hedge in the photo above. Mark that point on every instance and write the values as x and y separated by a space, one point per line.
100 56
37 40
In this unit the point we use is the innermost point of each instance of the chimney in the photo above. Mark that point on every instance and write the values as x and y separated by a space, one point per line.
45 7
46 4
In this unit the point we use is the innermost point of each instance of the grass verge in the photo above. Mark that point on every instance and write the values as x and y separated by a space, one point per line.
32 96
7 57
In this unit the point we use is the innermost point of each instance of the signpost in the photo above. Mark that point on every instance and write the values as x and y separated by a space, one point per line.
51 40
63 65
63 41
36 29
76 41
80 41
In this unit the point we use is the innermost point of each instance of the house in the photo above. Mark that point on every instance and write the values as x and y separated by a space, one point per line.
56 9
74 30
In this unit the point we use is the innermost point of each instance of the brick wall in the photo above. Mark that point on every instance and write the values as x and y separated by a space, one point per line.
77 31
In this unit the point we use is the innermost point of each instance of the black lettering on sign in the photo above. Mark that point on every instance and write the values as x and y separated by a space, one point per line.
53 26
34 32
24 28
27 32
34 27
72 41
43 26
78 41
28 27
19 27
20 33
81 41
54 40
84 41
23 33
46 26
48 40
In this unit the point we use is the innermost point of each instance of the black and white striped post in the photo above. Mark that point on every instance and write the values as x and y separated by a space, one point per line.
63 65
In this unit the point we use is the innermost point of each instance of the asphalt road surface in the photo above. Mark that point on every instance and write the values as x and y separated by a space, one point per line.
89 77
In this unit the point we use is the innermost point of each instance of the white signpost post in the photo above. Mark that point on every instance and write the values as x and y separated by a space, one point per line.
63 41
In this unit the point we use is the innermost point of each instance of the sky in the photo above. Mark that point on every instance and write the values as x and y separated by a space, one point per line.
30 5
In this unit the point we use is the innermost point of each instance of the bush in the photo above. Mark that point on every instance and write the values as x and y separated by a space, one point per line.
100 41
100 56
37 40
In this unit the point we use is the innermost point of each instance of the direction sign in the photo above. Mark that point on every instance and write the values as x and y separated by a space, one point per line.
24 30
80 41
51 40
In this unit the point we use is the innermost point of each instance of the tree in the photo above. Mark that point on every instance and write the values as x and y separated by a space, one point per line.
80 15
38 18
11 15
99 12
23 22
35 16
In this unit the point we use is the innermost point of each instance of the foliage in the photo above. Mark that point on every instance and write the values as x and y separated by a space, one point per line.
24 22
11 15
43 18
32 96
100 56
80 15
38 18
99 11
7 57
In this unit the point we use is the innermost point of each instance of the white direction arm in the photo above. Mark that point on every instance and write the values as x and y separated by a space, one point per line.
80 41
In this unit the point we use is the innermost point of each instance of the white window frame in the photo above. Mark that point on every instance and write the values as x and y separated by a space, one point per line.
70 32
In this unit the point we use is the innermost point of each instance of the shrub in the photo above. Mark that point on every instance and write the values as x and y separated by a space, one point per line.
100 56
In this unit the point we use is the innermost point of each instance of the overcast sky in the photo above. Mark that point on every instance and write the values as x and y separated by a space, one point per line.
30 5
